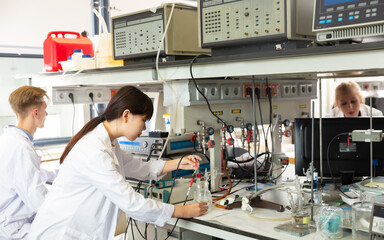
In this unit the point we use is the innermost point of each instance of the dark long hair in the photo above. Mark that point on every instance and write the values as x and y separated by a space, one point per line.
127 97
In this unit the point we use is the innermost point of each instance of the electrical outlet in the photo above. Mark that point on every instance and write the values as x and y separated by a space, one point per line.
286 90
62 96
310 89
303 89
210 91
250 86
230 91
293 90
375 86
275 90
98 95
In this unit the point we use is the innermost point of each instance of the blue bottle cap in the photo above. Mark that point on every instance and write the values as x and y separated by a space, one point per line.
77 51
86 55
69 58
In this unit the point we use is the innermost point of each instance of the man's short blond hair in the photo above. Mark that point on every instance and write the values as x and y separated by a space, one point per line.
25 97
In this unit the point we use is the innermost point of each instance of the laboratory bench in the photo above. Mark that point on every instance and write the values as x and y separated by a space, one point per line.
239 225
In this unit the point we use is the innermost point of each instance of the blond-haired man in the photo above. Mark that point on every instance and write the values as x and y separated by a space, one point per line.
21 181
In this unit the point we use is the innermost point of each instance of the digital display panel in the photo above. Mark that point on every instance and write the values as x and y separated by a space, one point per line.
130 143
334 2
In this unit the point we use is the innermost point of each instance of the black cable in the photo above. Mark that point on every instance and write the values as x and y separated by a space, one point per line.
70 95
280 173
146 230
240 189
262 124
174 178
249 159
133 235
137 189
202 94
269 94
234 185
93 103
126 229
170 194
329 144
256 128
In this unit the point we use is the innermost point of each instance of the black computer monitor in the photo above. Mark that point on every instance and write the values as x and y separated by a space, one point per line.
342 157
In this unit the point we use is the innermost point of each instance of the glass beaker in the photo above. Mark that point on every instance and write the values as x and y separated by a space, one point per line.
330 222
361 216
301 219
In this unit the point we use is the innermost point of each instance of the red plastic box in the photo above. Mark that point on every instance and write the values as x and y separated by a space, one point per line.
60 44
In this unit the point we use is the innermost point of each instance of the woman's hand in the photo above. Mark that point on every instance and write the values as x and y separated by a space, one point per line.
190 210
190 162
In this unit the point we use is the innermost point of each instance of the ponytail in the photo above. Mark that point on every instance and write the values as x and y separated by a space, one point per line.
92 124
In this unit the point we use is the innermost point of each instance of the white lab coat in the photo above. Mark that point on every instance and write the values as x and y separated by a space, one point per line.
364 111
90 188
21 187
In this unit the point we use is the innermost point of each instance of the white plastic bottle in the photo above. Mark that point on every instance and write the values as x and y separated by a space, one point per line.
202 193
76 58
87 62
104 53
198 197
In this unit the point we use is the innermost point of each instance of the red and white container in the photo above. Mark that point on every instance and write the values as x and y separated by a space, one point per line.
59 45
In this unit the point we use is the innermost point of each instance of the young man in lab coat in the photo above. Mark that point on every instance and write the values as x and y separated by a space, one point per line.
21 182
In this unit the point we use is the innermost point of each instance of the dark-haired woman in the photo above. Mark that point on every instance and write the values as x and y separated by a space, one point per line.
90 188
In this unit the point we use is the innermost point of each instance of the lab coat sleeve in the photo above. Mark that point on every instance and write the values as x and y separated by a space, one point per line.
47 176
104 175
27 181
135 167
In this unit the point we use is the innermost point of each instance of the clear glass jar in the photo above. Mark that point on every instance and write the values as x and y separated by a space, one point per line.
330 222
361 217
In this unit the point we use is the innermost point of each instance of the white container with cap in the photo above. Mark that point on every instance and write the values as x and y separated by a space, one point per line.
87 62
76 58
67 65
104 54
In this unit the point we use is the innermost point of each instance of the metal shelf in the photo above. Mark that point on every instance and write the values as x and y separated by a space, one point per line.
351 60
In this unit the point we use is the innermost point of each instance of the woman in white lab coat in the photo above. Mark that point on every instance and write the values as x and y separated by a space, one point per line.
348 102
91 188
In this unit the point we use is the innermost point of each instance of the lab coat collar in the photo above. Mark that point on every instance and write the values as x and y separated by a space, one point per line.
11 128
104 136
102 132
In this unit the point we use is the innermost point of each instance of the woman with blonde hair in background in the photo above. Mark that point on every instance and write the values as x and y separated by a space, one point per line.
349 102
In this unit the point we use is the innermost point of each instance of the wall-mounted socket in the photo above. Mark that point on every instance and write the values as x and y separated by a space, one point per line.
80 95
303 89
210 91
63 96
310 89
275 90
286 90
306 89
294 90
257 86
230 91
98 94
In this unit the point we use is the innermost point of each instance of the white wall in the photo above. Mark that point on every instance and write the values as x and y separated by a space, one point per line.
124 6
25 24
